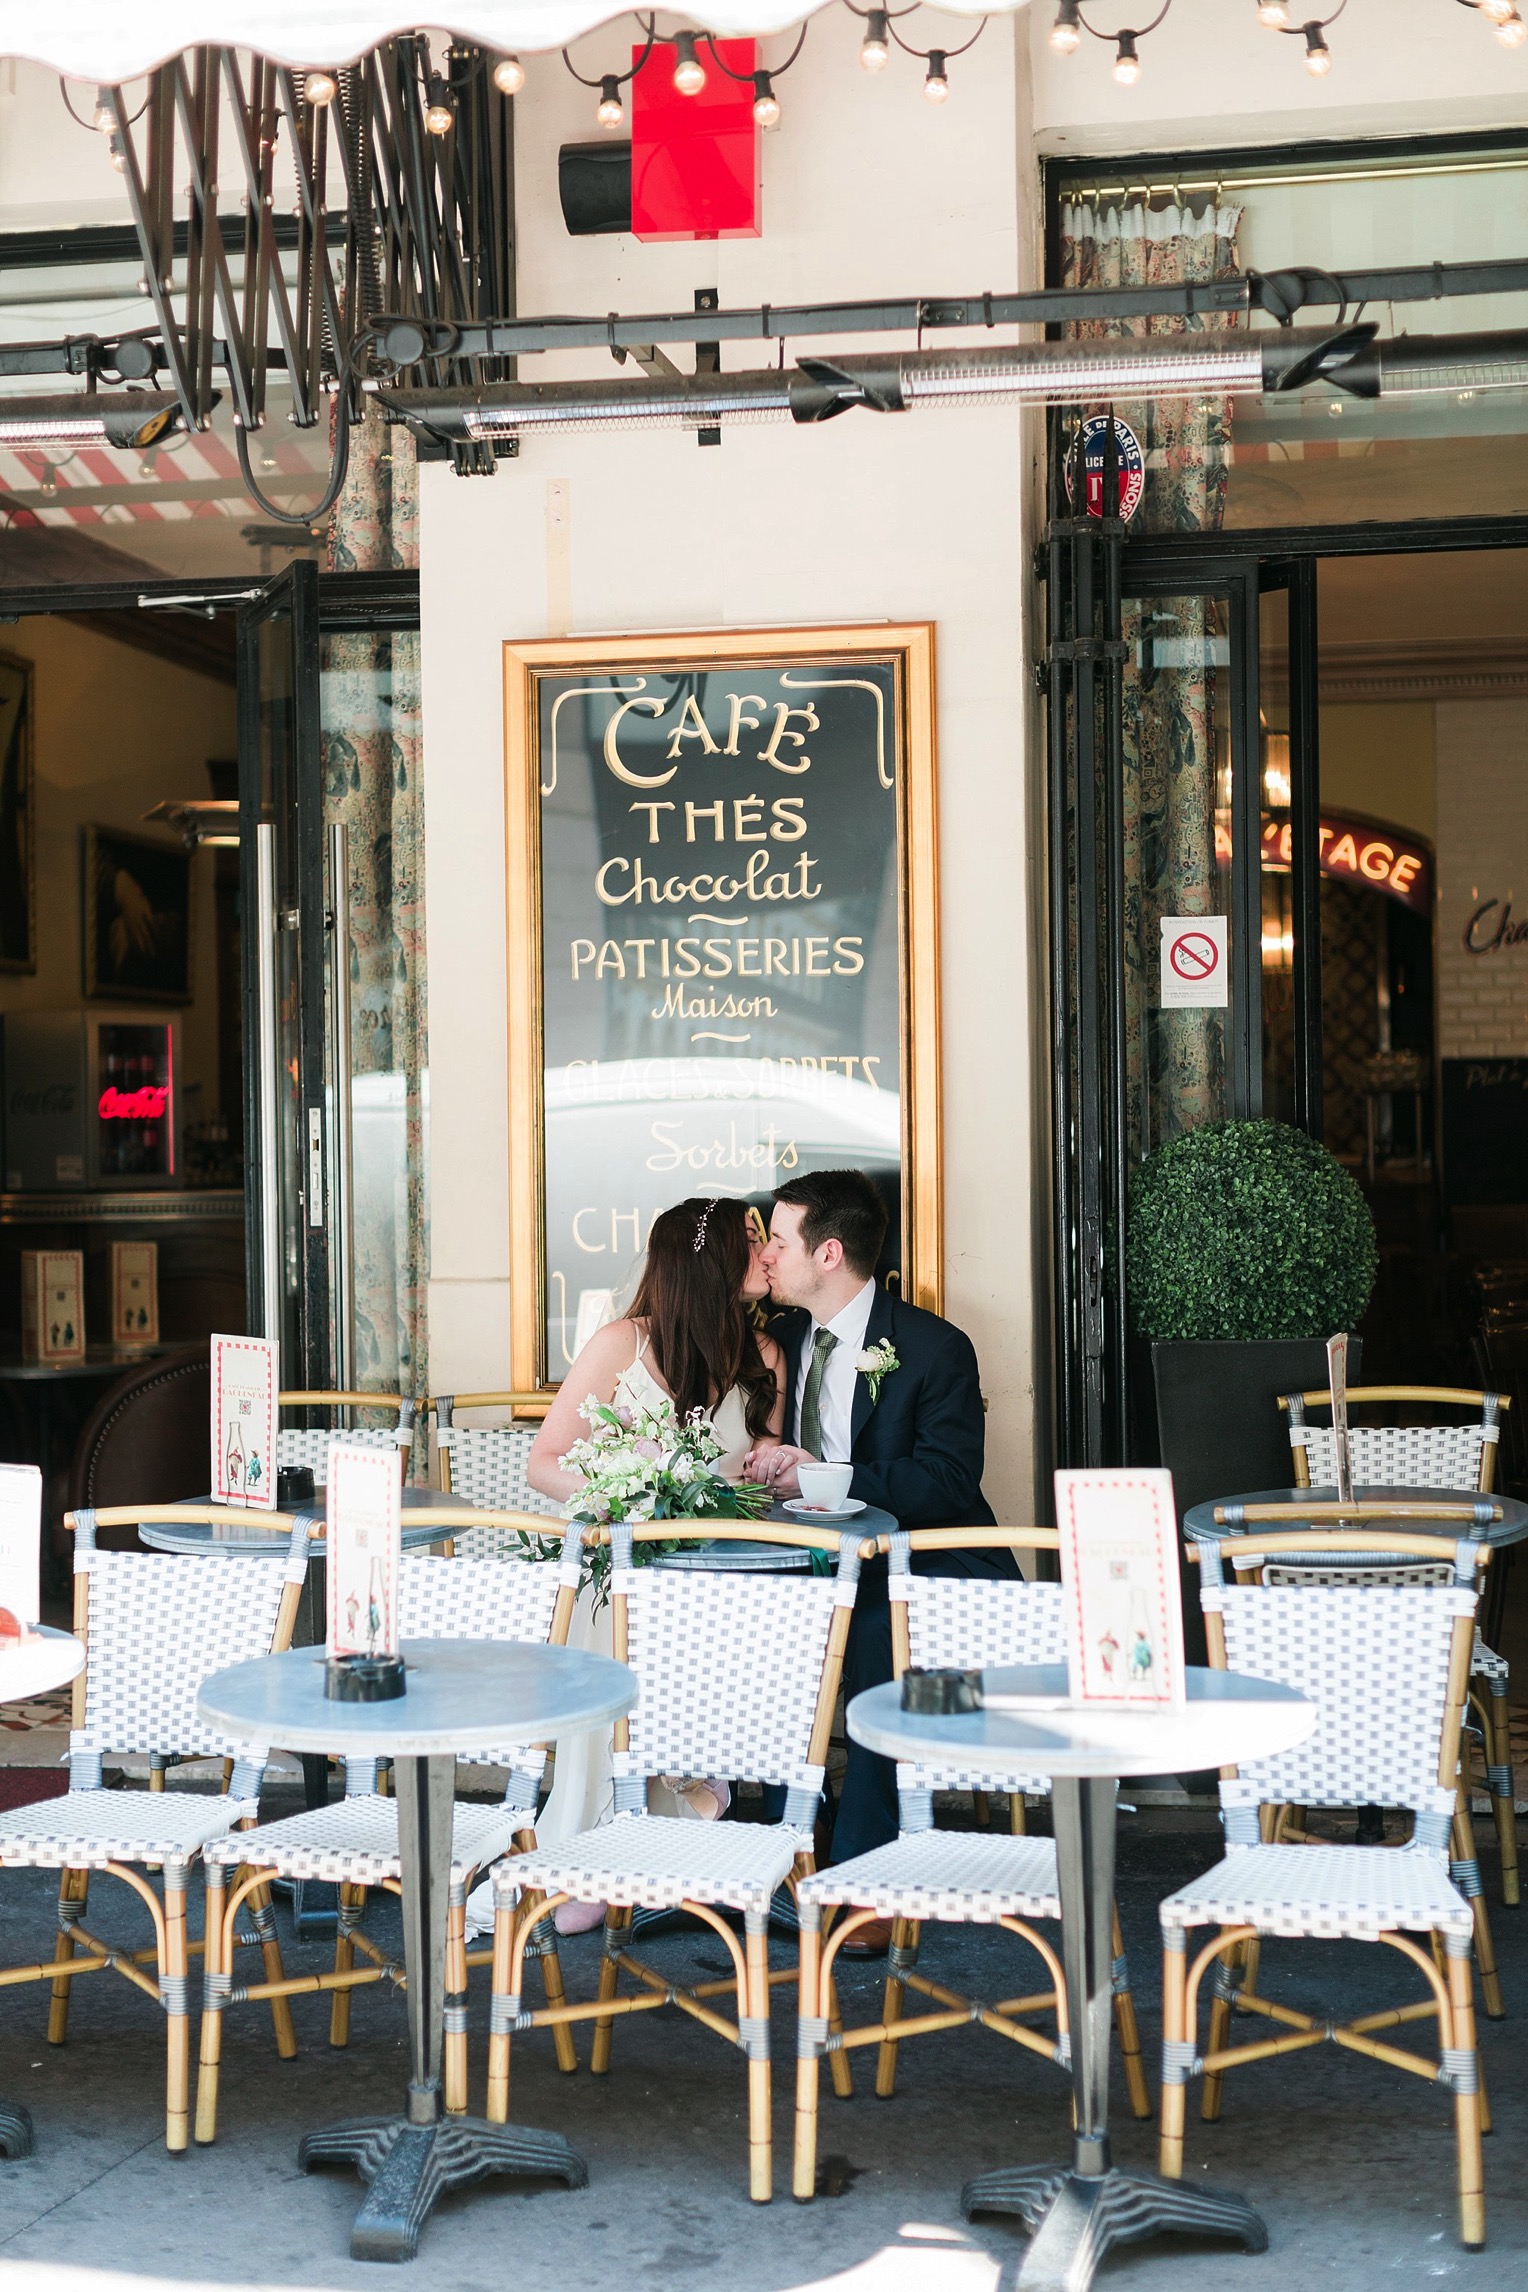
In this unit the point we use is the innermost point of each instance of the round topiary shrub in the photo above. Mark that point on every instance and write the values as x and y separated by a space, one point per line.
1247 1230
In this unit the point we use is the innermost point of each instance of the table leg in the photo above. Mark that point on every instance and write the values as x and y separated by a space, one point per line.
1076 2214
15 2130
410 2160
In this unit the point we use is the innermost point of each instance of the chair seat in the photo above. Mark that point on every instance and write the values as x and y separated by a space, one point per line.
1325 1891
967 1877
85 1830
1485 1663
355 1842
656 1862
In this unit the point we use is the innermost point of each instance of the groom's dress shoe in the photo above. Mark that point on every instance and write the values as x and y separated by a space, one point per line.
872 1941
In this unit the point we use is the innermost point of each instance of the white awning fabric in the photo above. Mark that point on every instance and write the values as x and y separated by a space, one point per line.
110 40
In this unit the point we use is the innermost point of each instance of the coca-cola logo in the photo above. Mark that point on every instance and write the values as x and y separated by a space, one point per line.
146 1105
55 1098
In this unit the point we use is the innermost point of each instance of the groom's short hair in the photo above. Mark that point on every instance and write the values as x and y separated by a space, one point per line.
842 1206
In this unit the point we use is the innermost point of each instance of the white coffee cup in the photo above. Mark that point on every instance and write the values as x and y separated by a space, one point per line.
825 1485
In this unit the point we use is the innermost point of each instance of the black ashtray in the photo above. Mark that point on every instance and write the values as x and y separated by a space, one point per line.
941 1694
364 1678
294 1485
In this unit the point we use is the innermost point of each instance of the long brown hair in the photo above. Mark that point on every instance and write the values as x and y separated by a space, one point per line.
700 1329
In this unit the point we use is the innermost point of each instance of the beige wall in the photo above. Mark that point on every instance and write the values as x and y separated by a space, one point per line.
910 518
115 731
1379 758
1482 855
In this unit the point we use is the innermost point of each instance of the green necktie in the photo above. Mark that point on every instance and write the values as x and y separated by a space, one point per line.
811 1424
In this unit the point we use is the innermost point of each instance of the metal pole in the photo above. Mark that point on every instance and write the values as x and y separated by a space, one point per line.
267 1054
341 1192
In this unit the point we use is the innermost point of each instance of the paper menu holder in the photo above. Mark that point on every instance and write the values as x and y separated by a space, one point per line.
20 1541
364 1496
244 1383
1122 1591
1337 1384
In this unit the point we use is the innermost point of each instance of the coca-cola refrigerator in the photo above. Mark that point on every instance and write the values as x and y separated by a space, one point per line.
90 1101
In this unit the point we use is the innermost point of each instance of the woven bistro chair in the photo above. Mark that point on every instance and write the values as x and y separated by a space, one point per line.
956 1878
1462 1456
487 1464
154 1626
354 1843
309 1444
1388 1670
738 1675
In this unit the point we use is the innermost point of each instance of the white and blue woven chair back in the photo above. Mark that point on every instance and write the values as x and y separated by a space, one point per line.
488 1466
1375 1662
1399 1456
298 1445
971 1622
159 1624
482 1599
730 1667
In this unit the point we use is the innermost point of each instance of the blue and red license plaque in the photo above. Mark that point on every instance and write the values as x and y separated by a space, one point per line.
1132 465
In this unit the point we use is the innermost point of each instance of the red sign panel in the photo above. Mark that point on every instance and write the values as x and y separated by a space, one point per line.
1386 859
695 158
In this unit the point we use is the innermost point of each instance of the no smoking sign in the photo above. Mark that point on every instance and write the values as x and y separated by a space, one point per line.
1194 974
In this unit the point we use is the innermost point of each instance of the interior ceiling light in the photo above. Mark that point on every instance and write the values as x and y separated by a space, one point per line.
509 75
875 48
131 421
1066 32
199 819
689 71
320 88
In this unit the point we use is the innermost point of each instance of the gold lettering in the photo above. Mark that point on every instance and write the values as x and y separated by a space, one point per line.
788 814
610 958
691 726
814 969
686 962
641 946
593 1249
851 961
748 820
718 959
775 952
782 731
715 812
736 702
652 810
582 951
745 969
601 890
613 753
619 1218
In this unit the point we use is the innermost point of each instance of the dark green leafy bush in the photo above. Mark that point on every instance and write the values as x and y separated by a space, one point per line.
1247 1230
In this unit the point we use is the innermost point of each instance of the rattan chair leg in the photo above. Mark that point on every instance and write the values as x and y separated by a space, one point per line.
556 1995
809 2008
617 1937
173 1977
1129 2036
263 1918
1467 2125
1503 1792
1018 1821
1466 1876
352 1901
981 1811
839 2067
1219 2032
1175 2037
496 2108
73 1897
215 1977
904 1936
455 2043
755 2003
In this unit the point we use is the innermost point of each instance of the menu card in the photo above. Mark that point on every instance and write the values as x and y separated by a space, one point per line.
1337 1385
365 1535
1119 1573
20 1538
135 1293
244 1421
53 1305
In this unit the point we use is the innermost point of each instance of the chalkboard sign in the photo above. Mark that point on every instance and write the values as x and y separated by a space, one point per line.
1485 1129
723 961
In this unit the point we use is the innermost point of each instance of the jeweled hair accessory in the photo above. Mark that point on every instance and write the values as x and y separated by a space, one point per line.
705 1220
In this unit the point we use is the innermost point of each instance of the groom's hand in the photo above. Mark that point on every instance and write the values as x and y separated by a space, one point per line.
776 1467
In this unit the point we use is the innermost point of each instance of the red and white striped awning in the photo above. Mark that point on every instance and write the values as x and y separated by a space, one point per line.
91 486
114 40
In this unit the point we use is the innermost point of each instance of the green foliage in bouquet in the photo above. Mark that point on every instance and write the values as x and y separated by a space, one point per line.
642 1464
1247 1230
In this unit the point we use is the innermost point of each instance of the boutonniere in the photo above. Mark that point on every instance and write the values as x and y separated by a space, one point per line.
876 1362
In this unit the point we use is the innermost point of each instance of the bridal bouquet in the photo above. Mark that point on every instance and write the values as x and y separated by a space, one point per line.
641 1464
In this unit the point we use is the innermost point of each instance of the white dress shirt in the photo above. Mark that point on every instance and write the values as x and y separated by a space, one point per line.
835 1402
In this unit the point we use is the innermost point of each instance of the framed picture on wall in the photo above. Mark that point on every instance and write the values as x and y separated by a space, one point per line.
18 828
723 947
137 918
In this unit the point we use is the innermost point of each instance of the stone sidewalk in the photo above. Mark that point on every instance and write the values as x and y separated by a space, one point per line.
1351 2164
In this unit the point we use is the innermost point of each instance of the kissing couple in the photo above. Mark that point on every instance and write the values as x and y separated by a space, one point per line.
842 1372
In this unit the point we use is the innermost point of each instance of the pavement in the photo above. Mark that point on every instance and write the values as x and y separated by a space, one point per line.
1350 2163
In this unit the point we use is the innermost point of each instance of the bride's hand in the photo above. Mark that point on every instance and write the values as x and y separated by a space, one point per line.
776 1465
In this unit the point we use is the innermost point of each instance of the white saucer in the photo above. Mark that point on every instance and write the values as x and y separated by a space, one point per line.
805 1511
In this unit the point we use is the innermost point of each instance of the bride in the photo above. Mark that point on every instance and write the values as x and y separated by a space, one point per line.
691 1338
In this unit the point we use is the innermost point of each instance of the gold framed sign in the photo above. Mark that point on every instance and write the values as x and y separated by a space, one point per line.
723 946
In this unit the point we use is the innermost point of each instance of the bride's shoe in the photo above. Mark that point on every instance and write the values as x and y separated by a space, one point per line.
578 1917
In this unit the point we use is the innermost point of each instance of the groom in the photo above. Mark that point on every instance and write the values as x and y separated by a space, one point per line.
914 1434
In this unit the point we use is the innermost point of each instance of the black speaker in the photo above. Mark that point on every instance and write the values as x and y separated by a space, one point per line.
594 185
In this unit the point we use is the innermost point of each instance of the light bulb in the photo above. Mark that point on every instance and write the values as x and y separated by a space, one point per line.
766 104
936 86
689 72
1066 33
1512 31
1318 56
149 466
320 88
1497 10
439 117
103 119
118 155
509 75
1127 64
610 112
1273 13
875 50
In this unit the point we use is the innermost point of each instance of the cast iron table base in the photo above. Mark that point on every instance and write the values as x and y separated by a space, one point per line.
15 2130
409 2165
1076 2213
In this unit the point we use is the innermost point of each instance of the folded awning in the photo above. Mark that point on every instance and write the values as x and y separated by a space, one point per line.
112 40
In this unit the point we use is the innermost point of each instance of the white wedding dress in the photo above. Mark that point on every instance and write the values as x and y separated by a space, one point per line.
582 1792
